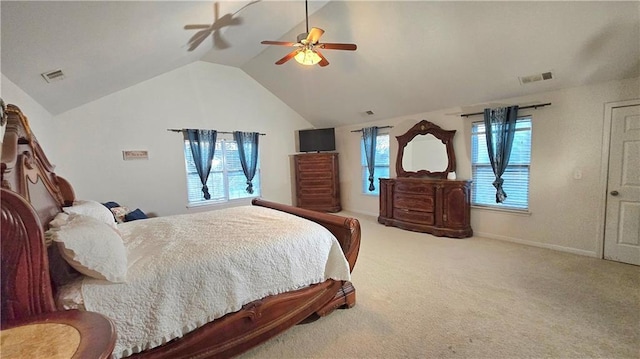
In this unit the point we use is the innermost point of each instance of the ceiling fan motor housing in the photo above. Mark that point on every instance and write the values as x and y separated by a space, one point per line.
302 36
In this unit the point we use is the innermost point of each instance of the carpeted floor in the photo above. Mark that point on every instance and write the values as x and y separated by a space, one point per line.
420 296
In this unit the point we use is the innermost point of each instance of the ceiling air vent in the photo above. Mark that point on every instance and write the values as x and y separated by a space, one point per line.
537 77
55 75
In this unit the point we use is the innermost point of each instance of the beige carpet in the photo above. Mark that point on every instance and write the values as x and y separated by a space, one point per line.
420 296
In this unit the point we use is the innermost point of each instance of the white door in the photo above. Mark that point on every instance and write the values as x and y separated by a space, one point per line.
622 227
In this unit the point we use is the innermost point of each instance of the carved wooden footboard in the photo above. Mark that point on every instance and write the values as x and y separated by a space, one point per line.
32 194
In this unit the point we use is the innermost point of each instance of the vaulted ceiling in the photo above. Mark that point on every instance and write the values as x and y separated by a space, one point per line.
412 56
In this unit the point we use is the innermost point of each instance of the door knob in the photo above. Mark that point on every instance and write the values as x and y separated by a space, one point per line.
614 193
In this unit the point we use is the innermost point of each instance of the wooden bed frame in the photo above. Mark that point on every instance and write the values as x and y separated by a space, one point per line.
32 194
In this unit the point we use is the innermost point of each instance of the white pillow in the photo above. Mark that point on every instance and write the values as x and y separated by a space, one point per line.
92 209
92 248
59 220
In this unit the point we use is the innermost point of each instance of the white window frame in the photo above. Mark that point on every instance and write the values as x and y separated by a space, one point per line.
220 151
365 168
490 204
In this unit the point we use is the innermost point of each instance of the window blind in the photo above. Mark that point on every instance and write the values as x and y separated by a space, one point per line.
516 176
226 180
382 163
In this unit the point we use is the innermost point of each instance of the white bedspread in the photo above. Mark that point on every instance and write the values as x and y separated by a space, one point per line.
187 270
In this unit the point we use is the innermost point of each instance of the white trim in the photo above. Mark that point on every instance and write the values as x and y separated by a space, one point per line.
537 244
505 238
521 212
604 169
222 203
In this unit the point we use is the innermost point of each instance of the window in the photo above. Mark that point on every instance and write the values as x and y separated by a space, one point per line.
226 180
382 164
516 176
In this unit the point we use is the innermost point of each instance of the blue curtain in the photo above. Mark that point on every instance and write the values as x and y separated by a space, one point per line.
369 135
500 125
203 146
248 151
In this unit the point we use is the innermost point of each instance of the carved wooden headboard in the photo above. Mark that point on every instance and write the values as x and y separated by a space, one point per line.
32 195
26 170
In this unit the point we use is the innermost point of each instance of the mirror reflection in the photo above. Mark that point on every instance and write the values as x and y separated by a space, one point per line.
425 152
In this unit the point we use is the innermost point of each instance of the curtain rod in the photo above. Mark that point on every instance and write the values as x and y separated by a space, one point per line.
535 107
182 130
360 130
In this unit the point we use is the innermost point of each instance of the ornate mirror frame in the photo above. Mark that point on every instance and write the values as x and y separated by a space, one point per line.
425 127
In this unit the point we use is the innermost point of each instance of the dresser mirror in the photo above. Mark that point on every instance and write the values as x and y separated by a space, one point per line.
426 150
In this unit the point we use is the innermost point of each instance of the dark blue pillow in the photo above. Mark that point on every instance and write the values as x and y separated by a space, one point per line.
110 204
134 215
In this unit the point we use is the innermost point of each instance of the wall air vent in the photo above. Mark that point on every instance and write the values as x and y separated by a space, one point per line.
537 77
55 75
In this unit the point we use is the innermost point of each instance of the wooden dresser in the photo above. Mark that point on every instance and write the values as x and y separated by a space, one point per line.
317 181
437 206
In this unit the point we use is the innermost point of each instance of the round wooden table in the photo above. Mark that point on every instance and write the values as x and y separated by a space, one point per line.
64 334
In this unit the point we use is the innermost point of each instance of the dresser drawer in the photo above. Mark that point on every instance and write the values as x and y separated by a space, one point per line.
408 215
326 191
414 202
315 183
314 166
315 201
305 176
415 187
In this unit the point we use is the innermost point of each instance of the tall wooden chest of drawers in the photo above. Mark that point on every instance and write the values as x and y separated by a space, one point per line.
317 181
439 207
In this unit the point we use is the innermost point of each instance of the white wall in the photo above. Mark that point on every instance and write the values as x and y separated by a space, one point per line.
40 119
565 213
200 95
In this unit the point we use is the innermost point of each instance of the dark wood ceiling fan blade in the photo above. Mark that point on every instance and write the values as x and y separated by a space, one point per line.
196 27
236 21
324 62
336 46
314 35
198 38
226 20
219 42
281 43
219 22
288 57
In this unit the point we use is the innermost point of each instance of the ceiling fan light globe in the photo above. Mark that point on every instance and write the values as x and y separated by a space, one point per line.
307 57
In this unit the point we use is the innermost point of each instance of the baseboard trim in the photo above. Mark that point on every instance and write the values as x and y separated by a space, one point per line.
555 247
537 244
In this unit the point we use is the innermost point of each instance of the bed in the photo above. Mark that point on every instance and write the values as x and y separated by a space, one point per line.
33 270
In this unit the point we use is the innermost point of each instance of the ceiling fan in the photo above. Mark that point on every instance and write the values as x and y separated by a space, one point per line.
307 46
215 27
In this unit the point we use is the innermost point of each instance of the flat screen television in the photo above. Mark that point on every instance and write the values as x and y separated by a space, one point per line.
317 140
